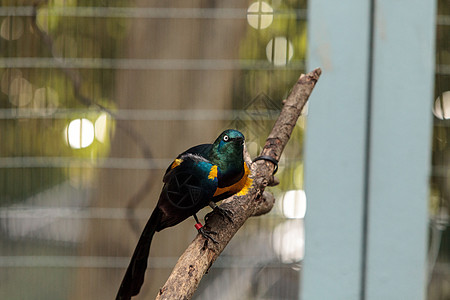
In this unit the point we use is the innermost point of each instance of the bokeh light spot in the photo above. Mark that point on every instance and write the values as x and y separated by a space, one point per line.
288 241
260 15
7 77
45 100
20 92
11 28
279 51
441 108
80 133
101 127
294 204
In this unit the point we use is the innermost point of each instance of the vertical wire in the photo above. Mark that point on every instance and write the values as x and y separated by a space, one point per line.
365 221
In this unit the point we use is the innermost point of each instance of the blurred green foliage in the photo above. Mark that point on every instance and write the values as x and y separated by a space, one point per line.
440 183
260 92
31 96
439 204
46 90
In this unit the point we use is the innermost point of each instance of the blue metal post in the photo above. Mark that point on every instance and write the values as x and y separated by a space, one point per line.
336 149
400 149
368 149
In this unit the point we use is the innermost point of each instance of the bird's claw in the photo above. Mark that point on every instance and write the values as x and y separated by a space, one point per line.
207 234
224 213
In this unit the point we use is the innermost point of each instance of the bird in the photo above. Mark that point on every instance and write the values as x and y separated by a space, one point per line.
198 177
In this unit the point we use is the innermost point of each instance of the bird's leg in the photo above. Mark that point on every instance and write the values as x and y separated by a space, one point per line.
205 233
225 213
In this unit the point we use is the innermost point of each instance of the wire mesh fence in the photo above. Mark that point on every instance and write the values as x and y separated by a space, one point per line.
97 99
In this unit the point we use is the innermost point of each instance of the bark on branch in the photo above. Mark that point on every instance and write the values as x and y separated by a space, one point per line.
201 254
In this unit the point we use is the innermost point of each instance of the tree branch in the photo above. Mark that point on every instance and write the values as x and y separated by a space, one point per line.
201 254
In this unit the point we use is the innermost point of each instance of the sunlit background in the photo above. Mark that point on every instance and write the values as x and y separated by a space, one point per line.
97 99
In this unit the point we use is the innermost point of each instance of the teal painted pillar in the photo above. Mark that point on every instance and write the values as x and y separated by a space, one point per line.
400 149
368 149
335 151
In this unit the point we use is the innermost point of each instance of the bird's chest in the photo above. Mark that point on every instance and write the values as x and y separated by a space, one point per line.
233 183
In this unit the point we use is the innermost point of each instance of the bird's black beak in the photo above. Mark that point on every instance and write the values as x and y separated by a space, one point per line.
238 140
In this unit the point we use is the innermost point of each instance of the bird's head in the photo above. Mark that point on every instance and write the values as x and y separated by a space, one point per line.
228 148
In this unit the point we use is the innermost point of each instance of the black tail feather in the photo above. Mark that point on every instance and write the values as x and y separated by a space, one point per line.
134 276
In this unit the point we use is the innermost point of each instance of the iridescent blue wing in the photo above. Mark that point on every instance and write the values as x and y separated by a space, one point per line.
190 183
199 150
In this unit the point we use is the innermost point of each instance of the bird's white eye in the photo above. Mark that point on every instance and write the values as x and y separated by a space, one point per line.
226 138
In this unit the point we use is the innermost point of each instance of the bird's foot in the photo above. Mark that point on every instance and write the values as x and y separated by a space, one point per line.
224 213
206 233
